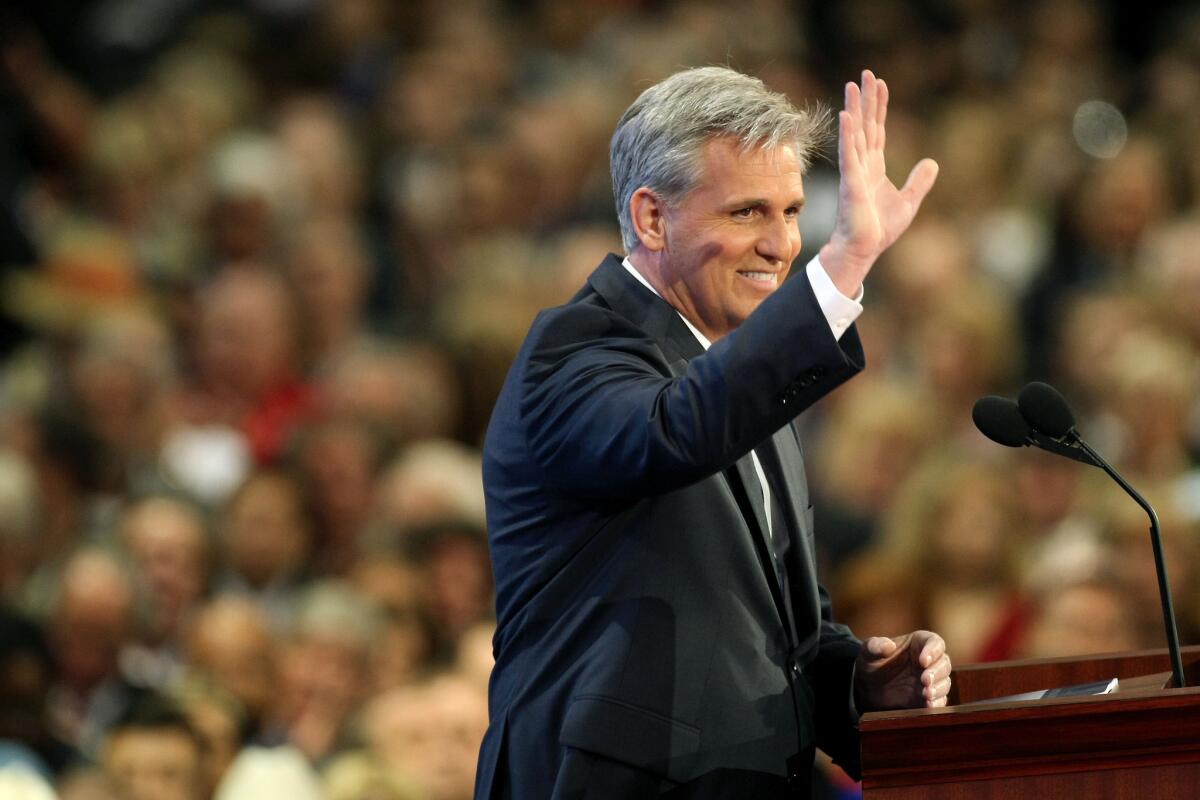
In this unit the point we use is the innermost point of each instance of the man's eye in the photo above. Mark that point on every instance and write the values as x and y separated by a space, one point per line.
744 213
794 211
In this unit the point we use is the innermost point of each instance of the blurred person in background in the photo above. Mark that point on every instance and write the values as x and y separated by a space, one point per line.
152 753
454 557
220 724
27 673
246 377
324 668
91 622
878 428
405 648
168 543
1086 616
429 734
1127 538
403 392
428 483
20 522
338 460
266 538
329 273
230 643
954 516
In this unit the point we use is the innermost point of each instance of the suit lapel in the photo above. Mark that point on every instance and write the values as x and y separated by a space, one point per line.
645 309
784 463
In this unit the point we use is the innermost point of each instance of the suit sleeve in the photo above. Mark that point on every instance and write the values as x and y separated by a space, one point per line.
605 417
831 675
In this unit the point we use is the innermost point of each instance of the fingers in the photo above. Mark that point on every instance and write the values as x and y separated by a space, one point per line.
852 136
850 160
932 647
935 695
854 101
870 104
881 114
935 679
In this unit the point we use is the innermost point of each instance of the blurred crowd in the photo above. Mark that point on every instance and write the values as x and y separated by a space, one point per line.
264 264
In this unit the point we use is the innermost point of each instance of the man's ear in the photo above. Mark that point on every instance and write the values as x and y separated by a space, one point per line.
646 209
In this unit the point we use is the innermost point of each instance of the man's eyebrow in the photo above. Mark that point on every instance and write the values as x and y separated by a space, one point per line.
756 202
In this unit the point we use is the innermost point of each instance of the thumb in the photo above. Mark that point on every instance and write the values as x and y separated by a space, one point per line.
919 182
879 647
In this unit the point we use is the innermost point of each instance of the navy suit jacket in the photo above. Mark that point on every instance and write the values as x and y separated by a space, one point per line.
641 616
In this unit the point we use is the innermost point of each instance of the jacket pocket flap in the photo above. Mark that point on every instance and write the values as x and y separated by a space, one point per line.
627 733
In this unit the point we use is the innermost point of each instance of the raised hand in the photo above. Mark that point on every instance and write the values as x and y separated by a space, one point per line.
908 671
872 212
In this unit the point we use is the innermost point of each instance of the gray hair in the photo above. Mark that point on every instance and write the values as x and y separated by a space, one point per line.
658 139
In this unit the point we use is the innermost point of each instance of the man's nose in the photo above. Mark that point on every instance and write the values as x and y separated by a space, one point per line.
779 240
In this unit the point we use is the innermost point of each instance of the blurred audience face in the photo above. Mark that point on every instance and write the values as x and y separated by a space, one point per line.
405 644
324 665
328 272
1080 620
1123 197
153 764
92 619
315 138
338 460
170 547
969 540
460 579
431 733
926 266
409 391
230 642
245 338
266 531
119 373
1047 487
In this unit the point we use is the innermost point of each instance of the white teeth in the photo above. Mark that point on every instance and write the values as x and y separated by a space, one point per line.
760 276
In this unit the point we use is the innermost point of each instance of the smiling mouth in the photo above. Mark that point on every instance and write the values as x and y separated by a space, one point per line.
764 279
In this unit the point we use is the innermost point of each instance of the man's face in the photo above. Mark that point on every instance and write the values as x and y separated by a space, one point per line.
730 242
150 764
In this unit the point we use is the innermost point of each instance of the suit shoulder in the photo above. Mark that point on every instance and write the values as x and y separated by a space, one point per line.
585 321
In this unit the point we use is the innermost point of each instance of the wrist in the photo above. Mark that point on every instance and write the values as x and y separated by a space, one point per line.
846 271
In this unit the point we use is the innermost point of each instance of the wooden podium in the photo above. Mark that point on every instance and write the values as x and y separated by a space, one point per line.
1142 741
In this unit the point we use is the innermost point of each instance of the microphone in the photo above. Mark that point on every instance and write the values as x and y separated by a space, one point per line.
1002 421
1047 422
999 419
1045 410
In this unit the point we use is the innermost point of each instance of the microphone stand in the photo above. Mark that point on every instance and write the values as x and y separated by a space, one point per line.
1164 588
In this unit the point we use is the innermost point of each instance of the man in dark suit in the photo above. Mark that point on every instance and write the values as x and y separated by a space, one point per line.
661 631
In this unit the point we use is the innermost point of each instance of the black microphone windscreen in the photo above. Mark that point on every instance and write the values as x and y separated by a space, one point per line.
999 419
1045 410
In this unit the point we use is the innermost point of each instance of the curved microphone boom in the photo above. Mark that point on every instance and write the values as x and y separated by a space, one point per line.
1044 420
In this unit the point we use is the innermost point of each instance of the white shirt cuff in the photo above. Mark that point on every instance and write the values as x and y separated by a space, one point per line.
840 311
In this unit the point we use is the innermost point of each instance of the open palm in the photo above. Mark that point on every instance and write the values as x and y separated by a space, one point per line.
872 212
